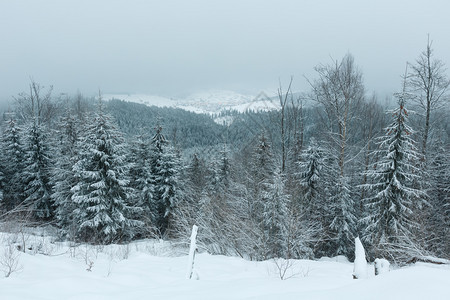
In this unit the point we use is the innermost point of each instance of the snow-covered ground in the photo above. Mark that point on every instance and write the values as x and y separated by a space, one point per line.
157 270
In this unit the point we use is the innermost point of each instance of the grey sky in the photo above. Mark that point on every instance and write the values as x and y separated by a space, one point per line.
175 47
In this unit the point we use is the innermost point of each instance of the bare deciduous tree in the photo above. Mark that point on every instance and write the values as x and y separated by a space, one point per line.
339 89
37 103
372 116
427 79
9 259
283 97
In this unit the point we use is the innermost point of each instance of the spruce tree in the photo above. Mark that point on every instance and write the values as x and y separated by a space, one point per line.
63 177
318 179
196 185
313 180
102 195
389 222
196 177
344 222
37 172
275 217
263 171
142 180
12 162
166 169
437 216
270 203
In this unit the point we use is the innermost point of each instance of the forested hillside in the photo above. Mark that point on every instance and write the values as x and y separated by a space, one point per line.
300 182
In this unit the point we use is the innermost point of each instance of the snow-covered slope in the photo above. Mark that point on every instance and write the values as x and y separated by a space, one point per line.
152 270
209 102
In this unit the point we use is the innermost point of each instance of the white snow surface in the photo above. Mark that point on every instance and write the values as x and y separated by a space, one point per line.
156 270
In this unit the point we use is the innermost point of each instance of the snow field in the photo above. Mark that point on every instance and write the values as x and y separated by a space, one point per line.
156 270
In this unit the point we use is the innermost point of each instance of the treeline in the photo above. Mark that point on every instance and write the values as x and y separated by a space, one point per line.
301 182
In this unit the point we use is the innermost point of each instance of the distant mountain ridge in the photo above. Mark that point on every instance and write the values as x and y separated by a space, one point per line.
208 102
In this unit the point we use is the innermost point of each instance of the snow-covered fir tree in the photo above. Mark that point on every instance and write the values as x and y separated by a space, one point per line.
218 180
142 180
313 167
63 177
103 211
196 175
275 217
344 222
196 183
318 178
437 216
389 221
224 168
269 206
166 168
37 171
12 159
263 173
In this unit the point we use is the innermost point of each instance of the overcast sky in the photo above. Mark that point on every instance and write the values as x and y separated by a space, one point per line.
171 48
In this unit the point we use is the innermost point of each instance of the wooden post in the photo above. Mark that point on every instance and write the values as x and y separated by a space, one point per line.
192 249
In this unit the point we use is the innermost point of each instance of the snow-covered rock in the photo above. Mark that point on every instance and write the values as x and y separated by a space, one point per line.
381 266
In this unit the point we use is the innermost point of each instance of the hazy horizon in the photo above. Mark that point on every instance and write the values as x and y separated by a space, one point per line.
179 47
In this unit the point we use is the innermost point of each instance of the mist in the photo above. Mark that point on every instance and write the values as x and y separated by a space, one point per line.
173 48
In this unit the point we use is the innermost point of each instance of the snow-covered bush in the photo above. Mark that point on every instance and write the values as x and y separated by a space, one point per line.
9 260
288 268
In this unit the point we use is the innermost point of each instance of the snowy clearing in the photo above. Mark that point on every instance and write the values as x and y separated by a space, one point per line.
157 270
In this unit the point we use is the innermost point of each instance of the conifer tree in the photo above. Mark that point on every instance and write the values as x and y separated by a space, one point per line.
437 218
313 180
344 222
37 172
102 195
275 217
270 203
224 171
263 171
63 177
196 174
196 184
166 169
142 180
390 207
12 159
318 178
